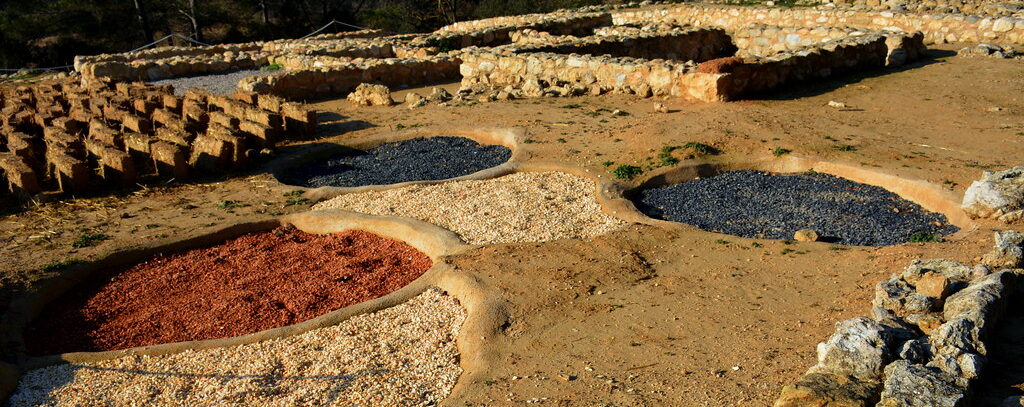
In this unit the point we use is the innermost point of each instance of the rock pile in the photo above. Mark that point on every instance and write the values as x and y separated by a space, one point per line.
368 94
925 340
997 195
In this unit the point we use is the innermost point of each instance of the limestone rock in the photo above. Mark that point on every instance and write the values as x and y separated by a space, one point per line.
933 285
983 296
909 385
440 95
660 108
1008 251
819 390
948 268
859 347
805 235
367 94
996 195
414 99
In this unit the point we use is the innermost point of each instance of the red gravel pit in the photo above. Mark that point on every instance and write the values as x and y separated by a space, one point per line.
247 284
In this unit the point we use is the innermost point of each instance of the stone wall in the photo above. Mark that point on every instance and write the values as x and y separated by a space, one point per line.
936 28
489 34
540 73
925 341
342 78
677 44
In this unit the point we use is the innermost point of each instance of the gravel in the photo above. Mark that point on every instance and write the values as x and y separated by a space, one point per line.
218 84
400 356
247 284
755 204
521 207
418 159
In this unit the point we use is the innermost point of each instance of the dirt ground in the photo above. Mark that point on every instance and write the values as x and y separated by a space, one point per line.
644 316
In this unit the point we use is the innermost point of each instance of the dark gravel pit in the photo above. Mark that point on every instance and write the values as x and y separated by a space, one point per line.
418 159
757 204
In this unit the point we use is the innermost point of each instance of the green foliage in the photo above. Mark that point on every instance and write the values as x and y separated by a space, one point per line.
779 151
59 265
845 147
273 67
89 239
924 237
627 171
702 148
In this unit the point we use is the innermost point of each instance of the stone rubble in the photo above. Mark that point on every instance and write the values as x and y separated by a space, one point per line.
925 340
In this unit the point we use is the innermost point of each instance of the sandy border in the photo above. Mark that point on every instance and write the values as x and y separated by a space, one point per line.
927 194
485 309
509 137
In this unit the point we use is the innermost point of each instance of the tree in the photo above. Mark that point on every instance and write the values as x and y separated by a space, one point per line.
193 18
140 9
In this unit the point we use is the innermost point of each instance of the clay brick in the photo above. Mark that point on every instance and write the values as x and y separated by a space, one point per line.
237 141
136 143
299 120
210 154
72 174
143 107
223 119
194 112
246 97
266 135
67 124
174 136
170 160
112 112
20 144
80 115
269 102
269 119
136 123
58 140
101 132
172 103
166 118
19 175
115 166
196 94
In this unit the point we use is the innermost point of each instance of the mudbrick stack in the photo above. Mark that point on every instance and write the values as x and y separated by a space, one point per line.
60 135
924 343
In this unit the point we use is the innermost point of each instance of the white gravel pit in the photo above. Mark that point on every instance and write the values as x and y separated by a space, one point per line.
401 356
516 208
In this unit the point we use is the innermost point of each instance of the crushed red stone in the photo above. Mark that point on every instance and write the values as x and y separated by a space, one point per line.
248 284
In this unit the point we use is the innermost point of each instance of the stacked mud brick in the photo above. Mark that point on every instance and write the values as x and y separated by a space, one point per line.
60 136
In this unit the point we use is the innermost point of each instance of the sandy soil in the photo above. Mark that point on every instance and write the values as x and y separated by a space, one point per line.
643 316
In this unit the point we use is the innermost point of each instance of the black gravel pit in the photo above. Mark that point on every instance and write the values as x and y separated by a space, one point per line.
418 159
763 205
